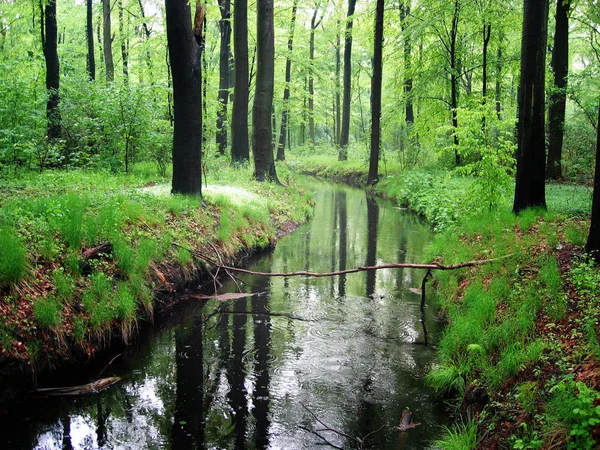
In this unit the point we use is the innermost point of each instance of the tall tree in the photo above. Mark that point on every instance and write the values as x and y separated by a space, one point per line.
108 39
454 74
345 134
262 135
376 81
408 82
124 43
89 33
314 24
592 246
224 73
530 189
558 94
185 48
240 150
49 28
286 91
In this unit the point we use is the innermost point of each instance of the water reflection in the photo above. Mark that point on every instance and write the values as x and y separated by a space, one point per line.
268 371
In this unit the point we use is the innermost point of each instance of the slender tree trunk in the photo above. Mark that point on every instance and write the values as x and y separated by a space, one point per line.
89 32
147 34
454 73
499 57
262 136
344 139
376 81
185 47
592 246
286 91
314 23
224 71
487 32
240 150
124 44
108 56
338 102
408 82
530 187
50 48
558 95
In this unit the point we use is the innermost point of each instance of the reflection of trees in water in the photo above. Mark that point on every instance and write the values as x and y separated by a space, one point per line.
341 204
372 222
188 424
262 341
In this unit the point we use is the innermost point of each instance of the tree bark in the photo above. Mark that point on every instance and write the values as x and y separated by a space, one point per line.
530 189
185 47
499 56
124 44
50 48
345 135
408 82
286 91
376 81
89 32
338 102
558 95
224 72
314 23
454 73
262 136
108 56
487 32
240 150
592 246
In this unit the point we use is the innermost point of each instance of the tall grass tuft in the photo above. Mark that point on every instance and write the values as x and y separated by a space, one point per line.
459 437
13 257
48 312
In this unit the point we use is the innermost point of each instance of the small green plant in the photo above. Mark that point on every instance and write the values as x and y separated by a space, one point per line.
460 437
225 226
13 257
585 277
48 311
64 285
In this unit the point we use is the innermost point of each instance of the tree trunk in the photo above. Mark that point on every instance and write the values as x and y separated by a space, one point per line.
147 34
286 91
240 150
89 32
530 187
487 31
50 48
185 47
376 95
314 23
262 136
454 73
408 82
338 102
558 95
124 44
593 243
108 56
499 78
344 138
224 81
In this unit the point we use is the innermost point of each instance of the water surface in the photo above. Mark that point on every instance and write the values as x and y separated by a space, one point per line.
303 363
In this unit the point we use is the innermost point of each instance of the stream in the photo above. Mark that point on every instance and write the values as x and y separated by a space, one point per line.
302 363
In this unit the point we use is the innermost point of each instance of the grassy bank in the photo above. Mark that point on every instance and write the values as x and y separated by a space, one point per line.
519 360
84 254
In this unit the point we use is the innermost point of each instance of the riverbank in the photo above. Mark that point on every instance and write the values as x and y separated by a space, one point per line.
87 256
519 357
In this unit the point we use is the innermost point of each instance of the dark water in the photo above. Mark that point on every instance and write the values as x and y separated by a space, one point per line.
280 369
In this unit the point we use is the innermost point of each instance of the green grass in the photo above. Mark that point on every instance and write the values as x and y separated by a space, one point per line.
13 257
459 437
48 311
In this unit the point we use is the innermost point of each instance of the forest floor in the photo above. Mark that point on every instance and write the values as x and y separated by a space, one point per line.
87 257
519 359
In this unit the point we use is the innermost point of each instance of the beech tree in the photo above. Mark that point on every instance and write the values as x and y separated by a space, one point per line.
592 246
262 135
286 91
240 150
108 38
89 33
530 188
376 81
224 74
345 132
49 28
185 48
558 95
